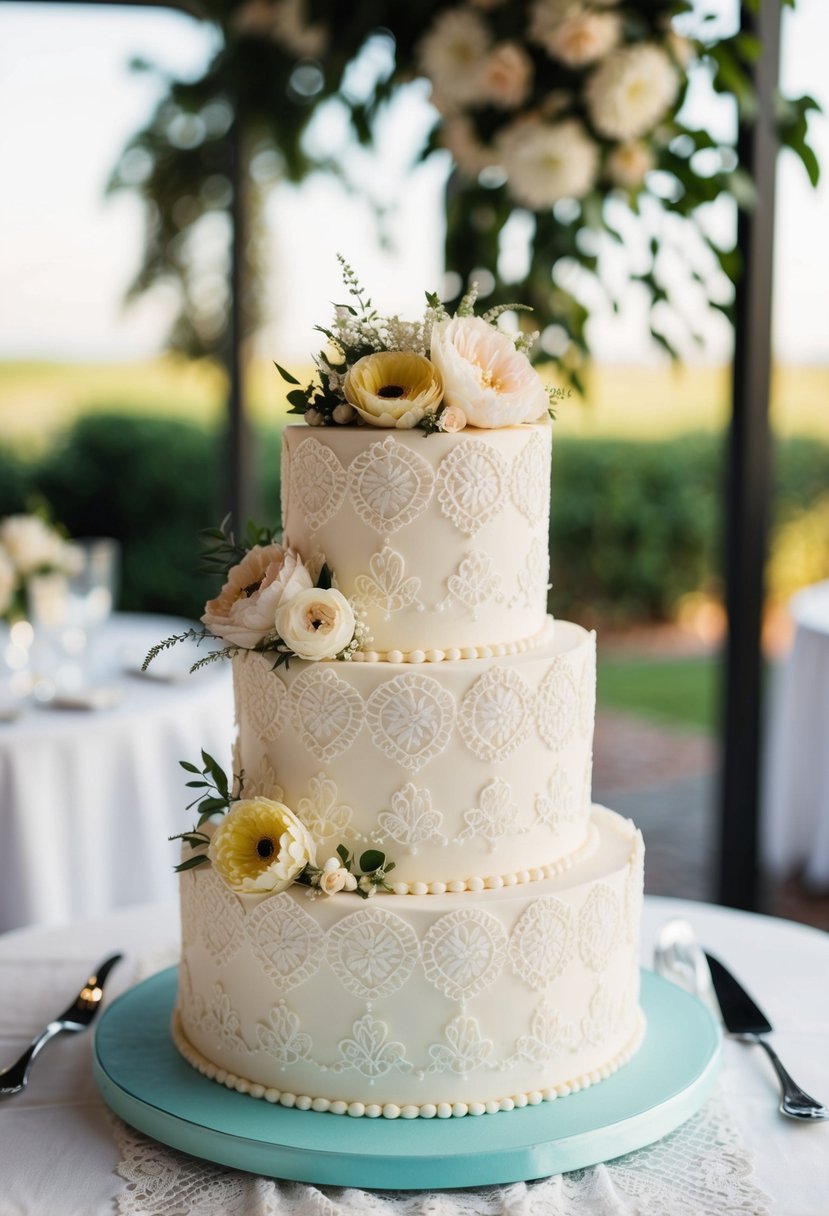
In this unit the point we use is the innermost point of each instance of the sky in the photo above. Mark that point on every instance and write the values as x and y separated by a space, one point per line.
67 253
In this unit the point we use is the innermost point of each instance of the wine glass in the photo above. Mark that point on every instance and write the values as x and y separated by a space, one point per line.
67 610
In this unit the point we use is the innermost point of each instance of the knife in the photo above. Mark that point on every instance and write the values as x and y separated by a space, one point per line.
80 1014
744 1020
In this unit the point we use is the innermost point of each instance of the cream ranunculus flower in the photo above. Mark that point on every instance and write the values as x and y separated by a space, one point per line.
260 847
316 624
484 375
244 612
393 388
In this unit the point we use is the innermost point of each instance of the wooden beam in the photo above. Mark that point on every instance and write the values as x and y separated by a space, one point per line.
749 488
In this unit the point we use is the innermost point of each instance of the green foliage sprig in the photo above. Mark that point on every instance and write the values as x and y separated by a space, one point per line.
215 799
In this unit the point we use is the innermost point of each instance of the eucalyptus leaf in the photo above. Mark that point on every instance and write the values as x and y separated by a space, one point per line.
371 860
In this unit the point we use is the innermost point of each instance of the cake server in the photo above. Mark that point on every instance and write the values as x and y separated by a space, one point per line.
80 1014
744 1020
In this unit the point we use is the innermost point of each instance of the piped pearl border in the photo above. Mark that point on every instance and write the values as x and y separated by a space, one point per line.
390 1110
494 882
454 654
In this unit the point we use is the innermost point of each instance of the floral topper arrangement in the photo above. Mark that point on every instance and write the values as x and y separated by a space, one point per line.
270 602
30 546
441 373
260 847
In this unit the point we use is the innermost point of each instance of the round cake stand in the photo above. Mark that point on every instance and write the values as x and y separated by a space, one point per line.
144 1080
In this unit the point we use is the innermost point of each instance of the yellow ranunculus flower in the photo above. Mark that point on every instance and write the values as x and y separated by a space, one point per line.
393 388
260 847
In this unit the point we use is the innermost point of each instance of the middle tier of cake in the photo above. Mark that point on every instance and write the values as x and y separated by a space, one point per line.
468 774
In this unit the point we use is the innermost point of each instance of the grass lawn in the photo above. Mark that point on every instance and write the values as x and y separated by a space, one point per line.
682 692
651 402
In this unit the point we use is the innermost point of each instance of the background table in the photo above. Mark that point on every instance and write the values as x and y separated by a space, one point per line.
795 824
61 1120
88 798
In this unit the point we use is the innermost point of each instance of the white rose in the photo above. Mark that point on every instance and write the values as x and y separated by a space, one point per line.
452 54
484 375
506 75
333 880
316 624
631 91
244 612
452 420
8 581
628 163
583 37
546 162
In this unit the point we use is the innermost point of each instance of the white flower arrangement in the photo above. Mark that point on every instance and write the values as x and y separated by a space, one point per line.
261 847
30 546
547 91
441 373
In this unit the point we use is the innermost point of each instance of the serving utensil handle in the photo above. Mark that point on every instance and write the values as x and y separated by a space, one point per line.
796 1103
14 1078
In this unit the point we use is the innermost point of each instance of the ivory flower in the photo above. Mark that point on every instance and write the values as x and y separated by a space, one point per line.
260 847
244 612
451 54
547 162
628 163
583 38
393 388
506 75
335 877
31 545
316 624
631 90
484 375
452 420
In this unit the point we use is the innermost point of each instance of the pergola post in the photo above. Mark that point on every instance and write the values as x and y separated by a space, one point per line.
239 490
749 489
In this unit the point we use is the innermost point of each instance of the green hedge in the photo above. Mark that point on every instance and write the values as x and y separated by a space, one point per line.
635 524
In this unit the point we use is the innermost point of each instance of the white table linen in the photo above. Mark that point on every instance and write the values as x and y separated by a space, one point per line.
795 822
59 1150
88 798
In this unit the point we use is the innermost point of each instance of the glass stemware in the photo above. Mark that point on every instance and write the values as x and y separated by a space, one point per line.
67 611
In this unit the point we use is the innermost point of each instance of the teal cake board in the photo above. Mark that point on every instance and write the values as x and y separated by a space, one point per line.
143 1079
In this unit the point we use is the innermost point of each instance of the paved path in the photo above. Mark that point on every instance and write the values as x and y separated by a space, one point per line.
665 779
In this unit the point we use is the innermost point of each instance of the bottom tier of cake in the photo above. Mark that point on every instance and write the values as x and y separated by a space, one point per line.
417 1005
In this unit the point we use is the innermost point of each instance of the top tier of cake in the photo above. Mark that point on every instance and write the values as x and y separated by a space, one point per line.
439 540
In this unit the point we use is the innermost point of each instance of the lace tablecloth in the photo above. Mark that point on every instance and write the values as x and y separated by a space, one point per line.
736 1156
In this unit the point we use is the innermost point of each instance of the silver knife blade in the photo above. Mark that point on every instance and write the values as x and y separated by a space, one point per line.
739 1012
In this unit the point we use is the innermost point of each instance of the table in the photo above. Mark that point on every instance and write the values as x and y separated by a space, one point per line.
784 964
795 822
88 798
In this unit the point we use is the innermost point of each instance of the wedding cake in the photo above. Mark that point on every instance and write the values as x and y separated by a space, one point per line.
427 747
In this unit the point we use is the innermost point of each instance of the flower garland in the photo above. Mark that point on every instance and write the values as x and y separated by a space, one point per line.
546 107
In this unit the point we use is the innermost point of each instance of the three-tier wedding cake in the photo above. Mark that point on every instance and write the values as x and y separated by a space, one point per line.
495 963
